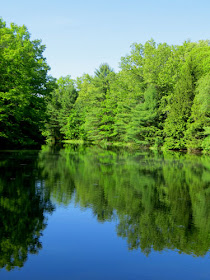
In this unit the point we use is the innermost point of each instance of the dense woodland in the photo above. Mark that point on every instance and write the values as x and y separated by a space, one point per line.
159 98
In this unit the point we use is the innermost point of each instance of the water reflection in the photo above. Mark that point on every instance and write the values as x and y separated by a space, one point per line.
23 204
159 201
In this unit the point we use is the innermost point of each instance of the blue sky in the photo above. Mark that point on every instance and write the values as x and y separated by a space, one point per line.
80 35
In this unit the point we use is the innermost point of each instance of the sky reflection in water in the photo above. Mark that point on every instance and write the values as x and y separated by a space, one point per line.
88 213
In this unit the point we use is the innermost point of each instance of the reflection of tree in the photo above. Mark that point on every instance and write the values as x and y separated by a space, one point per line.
23 203
161 201
57 171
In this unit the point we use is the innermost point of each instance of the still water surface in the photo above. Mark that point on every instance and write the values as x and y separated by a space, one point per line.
88 213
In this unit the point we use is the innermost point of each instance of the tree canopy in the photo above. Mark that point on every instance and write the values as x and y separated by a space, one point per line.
24 86
159 98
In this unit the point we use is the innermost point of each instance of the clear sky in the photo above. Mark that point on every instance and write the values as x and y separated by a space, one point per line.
82 34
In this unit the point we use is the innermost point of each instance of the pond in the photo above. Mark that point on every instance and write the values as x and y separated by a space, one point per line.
90 213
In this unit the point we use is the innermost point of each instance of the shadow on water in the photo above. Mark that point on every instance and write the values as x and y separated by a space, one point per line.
159 201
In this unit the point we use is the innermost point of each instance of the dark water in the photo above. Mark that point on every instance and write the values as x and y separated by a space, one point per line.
88 213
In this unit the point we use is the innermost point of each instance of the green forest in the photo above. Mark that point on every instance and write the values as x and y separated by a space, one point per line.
160 98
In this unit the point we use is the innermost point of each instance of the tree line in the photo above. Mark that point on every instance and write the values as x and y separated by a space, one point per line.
159 98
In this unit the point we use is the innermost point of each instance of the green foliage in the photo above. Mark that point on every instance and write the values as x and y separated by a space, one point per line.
143 127
149 102
24 86
179 112
95 105
59 107
126 93
154 100
198 132
73 129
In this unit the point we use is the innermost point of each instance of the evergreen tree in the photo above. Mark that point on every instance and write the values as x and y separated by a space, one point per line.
59 108
179 112
198 132
143 127
98 117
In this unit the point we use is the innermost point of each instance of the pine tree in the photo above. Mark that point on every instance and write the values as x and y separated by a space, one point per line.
198 132
59 108
180 109
143 127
